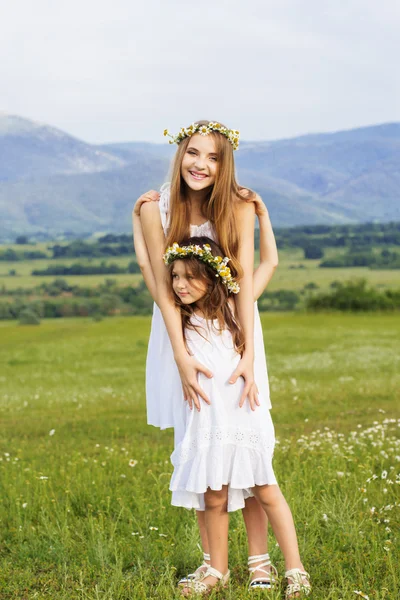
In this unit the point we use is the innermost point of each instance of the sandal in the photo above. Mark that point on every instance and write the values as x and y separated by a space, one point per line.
198 574
204 589
301 584
264 582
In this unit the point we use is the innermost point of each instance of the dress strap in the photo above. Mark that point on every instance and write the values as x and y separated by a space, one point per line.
164 205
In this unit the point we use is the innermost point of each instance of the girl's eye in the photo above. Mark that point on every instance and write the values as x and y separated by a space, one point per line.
191 152
213 158
174 276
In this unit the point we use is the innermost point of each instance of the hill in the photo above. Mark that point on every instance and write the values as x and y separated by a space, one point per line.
52 182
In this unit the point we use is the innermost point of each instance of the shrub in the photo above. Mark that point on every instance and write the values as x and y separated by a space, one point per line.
28 317
312 251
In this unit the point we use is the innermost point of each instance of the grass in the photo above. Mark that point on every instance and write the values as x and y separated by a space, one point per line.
78 522
288 276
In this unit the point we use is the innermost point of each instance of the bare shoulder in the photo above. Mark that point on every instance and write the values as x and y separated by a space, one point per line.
150 213
243 204
150 208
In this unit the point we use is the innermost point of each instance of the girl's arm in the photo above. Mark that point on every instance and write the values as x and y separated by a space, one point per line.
268 250
142 255
245 218
187 365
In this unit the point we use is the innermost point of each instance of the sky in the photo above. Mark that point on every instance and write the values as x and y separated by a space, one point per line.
123 70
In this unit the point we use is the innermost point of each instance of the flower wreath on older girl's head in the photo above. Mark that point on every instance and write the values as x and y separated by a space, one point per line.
231 134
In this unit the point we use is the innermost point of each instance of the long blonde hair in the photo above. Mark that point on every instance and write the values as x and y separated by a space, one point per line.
217 206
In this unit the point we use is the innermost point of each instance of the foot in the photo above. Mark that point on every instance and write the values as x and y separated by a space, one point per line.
211 579
298 583
198 574
263 575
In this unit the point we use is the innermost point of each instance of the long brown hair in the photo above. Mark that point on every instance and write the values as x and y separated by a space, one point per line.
217 206
215 304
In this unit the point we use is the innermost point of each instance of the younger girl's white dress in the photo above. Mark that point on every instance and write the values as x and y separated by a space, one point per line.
222 444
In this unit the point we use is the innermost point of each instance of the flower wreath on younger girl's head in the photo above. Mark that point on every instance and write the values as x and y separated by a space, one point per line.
217 263
231 134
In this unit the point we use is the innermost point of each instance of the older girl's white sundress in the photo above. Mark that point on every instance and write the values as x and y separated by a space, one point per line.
167 408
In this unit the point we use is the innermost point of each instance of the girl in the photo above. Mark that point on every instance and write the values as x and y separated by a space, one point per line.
204 198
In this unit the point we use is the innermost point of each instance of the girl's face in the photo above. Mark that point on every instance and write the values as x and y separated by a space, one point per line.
186 287
199 163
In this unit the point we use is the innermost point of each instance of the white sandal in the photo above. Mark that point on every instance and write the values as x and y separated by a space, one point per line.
204 589
198 574
301 583
264 582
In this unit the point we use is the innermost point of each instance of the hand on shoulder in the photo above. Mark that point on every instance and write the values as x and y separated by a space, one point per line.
148 197
250 196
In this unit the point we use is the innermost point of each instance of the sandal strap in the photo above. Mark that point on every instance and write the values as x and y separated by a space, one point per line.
257 557
206 557
266 563
214 573
296 574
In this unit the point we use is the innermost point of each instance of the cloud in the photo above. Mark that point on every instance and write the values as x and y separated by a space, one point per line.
123 71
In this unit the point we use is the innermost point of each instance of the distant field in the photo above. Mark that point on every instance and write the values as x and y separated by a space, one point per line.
285 277
77 522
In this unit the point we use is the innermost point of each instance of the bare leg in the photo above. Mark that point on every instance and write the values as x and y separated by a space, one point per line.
280 517
216 520
201 520
256 523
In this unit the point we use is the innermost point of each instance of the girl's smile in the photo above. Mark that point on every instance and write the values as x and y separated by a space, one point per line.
199 163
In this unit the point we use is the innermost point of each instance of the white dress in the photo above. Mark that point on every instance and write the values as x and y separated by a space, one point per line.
164 398
222 444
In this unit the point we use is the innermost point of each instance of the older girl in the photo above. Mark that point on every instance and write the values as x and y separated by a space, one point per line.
204 199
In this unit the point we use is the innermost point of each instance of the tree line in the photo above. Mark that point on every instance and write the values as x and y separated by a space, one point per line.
60 299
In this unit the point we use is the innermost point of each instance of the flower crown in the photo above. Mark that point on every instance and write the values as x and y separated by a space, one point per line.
231 134
217 263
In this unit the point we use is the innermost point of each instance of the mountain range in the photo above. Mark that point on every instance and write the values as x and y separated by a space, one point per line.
52 182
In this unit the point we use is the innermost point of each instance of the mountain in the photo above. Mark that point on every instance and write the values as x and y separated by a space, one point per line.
30 149
53 182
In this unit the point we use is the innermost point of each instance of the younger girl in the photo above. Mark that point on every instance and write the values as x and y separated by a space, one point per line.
225 453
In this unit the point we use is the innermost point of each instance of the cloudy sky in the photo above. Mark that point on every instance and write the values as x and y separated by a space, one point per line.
119 70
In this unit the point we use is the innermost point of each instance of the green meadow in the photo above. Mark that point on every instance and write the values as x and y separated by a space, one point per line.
84 503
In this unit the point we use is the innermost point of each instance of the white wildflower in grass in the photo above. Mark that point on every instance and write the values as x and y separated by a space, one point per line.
386 528
372 510
324 517
162 535
141 537
25 504
52 431
43 477
133 463
359 593
123 476
153 528
97 445
384 474
384 490
135 533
